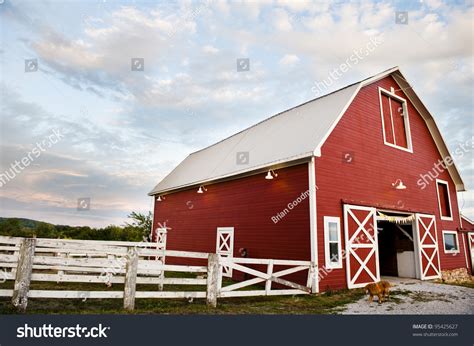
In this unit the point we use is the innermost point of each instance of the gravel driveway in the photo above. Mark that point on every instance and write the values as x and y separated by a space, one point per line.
409 296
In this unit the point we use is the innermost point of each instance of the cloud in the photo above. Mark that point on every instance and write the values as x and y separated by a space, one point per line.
281 20
289 60
126 129
210 49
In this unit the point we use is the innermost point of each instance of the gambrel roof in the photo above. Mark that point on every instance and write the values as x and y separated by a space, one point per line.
289 136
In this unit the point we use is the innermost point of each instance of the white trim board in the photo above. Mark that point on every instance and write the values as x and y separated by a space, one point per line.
464 246
313 222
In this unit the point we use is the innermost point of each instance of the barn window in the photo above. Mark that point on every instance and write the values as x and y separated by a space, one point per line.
395 123
444 200
332 236
451 242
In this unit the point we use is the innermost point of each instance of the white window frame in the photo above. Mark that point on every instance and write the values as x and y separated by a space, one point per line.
406 120
447 218
327 252
456 236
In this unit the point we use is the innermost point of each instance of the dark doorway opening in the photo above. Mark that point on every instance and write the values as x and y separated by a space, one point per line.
396 249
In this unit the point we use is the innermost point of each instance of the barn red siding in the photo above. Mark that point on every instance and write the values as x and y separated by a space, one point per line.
247 204
368 177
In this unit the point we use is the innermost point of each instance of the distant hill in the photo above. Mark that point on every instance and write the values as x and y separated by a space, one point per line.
28 223
22 227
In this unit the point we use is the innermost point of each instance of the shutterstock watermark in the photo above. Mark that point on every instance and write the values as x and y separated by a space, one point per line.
48 331
18 166
357 56
442 165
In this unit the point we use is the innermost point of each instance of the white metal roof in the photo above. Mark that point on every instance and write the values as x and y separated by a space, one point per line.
294 134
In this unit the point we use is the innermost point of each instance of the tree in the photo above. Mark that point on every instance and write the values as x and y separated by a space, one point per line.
141 224
11 227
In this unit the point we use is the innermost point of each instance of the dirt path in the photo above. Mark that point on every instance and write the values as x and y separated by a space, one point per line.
411 296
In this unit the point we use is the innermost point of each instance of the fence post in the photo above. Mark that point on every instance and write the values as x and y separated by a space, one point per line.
314 276
268 284
130 279
212 279
23 274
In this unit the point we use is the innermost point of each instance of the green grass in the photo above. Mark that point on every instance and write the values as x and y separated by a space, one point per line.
300 304
395 296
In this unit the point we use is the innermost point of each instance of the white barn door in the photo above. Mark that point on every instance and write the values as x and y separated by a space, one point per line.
362 254
427 244
225 246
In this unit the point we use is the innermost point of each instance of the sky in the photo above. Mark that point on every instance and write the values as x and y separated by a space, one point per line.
98 132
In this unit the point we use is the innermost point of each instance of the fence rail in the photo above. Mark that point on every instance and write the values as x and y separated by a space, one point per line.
130 263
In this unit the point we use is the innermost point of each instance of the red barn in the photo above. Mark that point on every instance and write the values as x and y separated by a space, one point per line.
359 181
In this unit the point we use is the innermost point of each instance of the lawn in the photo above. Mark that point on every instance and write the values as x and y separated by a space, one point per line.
300 304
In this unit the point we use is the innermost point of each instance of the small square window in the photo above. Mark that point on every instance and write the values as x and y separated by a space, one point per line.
450 242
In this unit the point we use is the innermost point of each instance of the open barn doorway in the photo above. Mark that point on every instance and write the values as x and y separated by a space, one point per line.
396 246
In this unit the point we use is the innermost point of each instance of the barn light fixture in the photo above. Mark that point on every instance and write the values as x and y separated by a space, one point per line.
270 175
398 184
201 189
159 199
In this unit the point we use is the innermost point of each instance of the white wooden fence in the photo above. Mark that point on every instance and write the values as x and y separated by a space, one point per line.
130 263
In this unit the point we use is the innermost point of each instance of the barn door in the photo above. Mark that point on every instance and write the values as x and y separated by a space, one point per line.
427 244
362 257
225 246
470 238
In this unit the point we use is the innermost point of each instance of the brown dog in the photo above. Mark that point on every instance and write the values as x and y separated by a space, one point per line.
380 289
